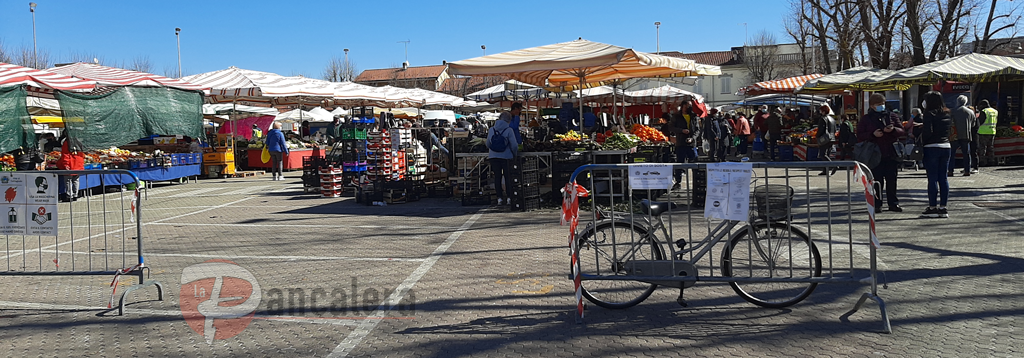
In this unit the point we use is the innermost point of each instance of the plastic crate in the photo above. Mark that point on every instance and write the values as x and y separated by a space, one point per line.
526 191
528 204
474 200
527 178
353 133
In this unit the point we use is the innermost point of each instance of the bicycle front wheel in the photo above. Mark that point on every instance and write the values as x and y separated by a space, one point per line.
777 252
606 251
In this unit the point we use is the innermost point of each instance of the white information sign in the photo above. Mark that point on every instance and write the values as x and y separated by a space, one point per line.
728 195
30 204
650 176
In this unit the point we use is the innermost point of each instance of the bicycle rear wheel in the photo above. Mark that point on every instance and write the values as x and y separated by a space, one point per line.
777 251
600 257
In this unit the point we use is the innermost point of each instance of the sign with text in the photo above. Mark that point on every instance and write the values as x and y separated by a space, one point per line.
650 176
30 202
728 195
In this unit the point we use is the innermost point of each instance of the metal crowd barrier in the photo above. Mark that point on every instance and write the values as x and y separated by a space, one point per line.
96 235
816 231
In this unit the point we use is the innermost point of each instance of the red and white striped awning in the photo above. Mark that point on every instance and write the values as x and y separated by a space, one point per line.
111 76
13 75
234 82
785 85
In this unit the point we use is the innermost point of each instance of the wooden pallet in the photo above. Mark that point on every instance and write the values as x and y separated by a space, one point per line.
246 174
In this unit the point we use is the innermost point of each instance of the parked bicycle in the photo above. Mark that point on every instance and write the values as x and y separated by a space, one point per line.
767 261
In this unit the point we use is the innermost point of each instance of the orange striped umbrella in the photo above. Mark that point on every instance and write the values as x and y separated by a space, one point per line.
785 85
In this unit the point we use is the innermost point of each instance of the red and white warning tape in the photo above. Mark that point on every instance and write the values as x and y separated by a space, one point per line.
859 175
570 215
114 283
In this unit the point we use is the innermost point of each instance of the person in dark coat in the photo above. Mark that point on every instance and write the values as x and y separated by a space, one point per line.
882 128
685 128
826 138
277 147
773 125
937 150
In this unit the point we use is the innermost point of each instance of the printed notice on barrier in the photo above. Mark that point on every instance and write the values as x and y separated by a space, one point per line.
30 202
650 176
728 194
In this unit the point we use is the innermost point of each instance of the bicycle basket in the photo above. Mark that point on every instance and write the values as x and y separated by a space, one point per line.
773 202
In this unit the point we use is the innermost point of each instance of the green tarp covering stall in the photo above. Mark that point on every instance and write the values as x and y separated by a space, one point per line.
15 123
129 113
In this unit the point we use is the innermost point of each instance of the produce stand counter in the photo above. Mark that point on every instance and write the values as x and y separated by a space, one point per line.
292 160
145 174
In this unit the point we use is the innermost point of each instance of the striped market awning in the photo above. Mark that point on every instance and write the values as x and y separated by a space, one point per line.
785 85
14 75
972 67
235 82
118 77
567 64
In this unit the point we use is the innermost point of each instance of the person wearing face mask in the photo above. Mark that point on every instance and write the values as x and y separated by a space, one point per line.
883 128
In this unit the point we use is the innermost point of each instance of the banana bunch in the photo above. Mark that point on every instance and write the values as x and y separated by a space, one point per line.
571 136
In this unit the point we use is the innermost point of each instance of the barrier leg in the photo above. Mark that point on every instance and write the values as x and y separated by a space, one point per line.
159 293
886 326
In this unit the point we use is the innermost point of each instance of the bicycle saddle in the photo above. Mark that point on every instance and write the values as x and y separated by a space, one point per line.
655 208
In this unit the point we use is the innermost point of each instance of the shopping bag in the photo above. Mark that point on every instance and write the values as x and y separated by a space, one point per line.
266 154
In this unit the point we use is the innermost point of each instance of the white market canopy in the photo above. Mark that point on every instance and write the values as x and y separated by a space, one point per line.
578 62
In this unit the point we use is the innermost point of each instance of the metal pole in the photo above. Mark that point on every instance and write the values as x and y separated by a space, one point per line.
657 29
177 30
35 47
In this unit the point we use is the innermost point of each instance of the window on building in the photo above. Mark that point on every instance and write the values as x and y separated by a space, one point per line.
726 85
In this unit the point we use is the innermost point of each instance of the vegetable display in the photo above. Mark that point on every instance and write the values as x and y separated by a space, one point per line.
620 141
648 134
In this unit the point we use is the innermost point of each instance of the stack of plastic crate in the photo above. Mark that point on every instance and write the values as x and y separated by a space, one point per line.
526 184
331 181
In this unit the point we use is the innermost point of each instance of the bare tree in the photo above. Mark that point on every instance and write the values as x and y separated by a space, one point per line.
800 30
339 70
942 23
878 21
27 57
141 64
833 25
5 55
761 56
1003 21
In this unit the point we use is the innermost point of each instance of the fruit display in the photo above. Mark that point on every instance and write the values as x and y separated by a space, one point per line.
571 136
648 134
7 162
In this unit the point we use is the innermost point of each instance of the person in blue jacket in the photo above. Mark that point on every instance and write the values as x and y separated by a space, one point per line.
277 147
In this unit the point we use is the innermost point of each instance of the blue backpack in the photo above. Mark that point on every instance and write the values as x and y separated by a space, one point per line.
498 142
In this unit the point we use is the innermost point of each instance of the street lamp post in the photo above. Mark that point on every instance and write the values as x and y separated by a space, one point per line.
35 47
657 30
177 35
484 48
344 71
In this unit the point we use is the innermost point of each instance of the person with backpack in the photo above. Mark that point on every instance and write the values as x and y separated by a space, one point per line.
883 128
713 134
847 138
826 136
502 150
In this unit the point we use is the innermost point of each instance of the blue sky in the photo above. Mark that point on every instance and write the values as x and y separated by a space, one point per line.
298 38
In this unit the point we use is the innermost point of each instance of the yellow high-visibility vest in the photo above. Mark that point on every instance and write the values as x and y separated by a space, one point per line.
991 118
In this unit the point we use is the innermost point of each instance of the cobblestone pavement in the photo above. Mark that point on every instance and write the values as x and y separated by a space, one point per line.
479 281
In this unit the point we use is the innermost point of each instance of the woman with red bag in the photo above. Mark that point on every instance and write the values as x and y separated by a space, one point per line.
71 158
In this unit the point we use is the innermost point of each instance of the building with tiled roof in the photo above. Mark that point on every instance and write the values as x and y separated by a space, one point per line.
425 77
